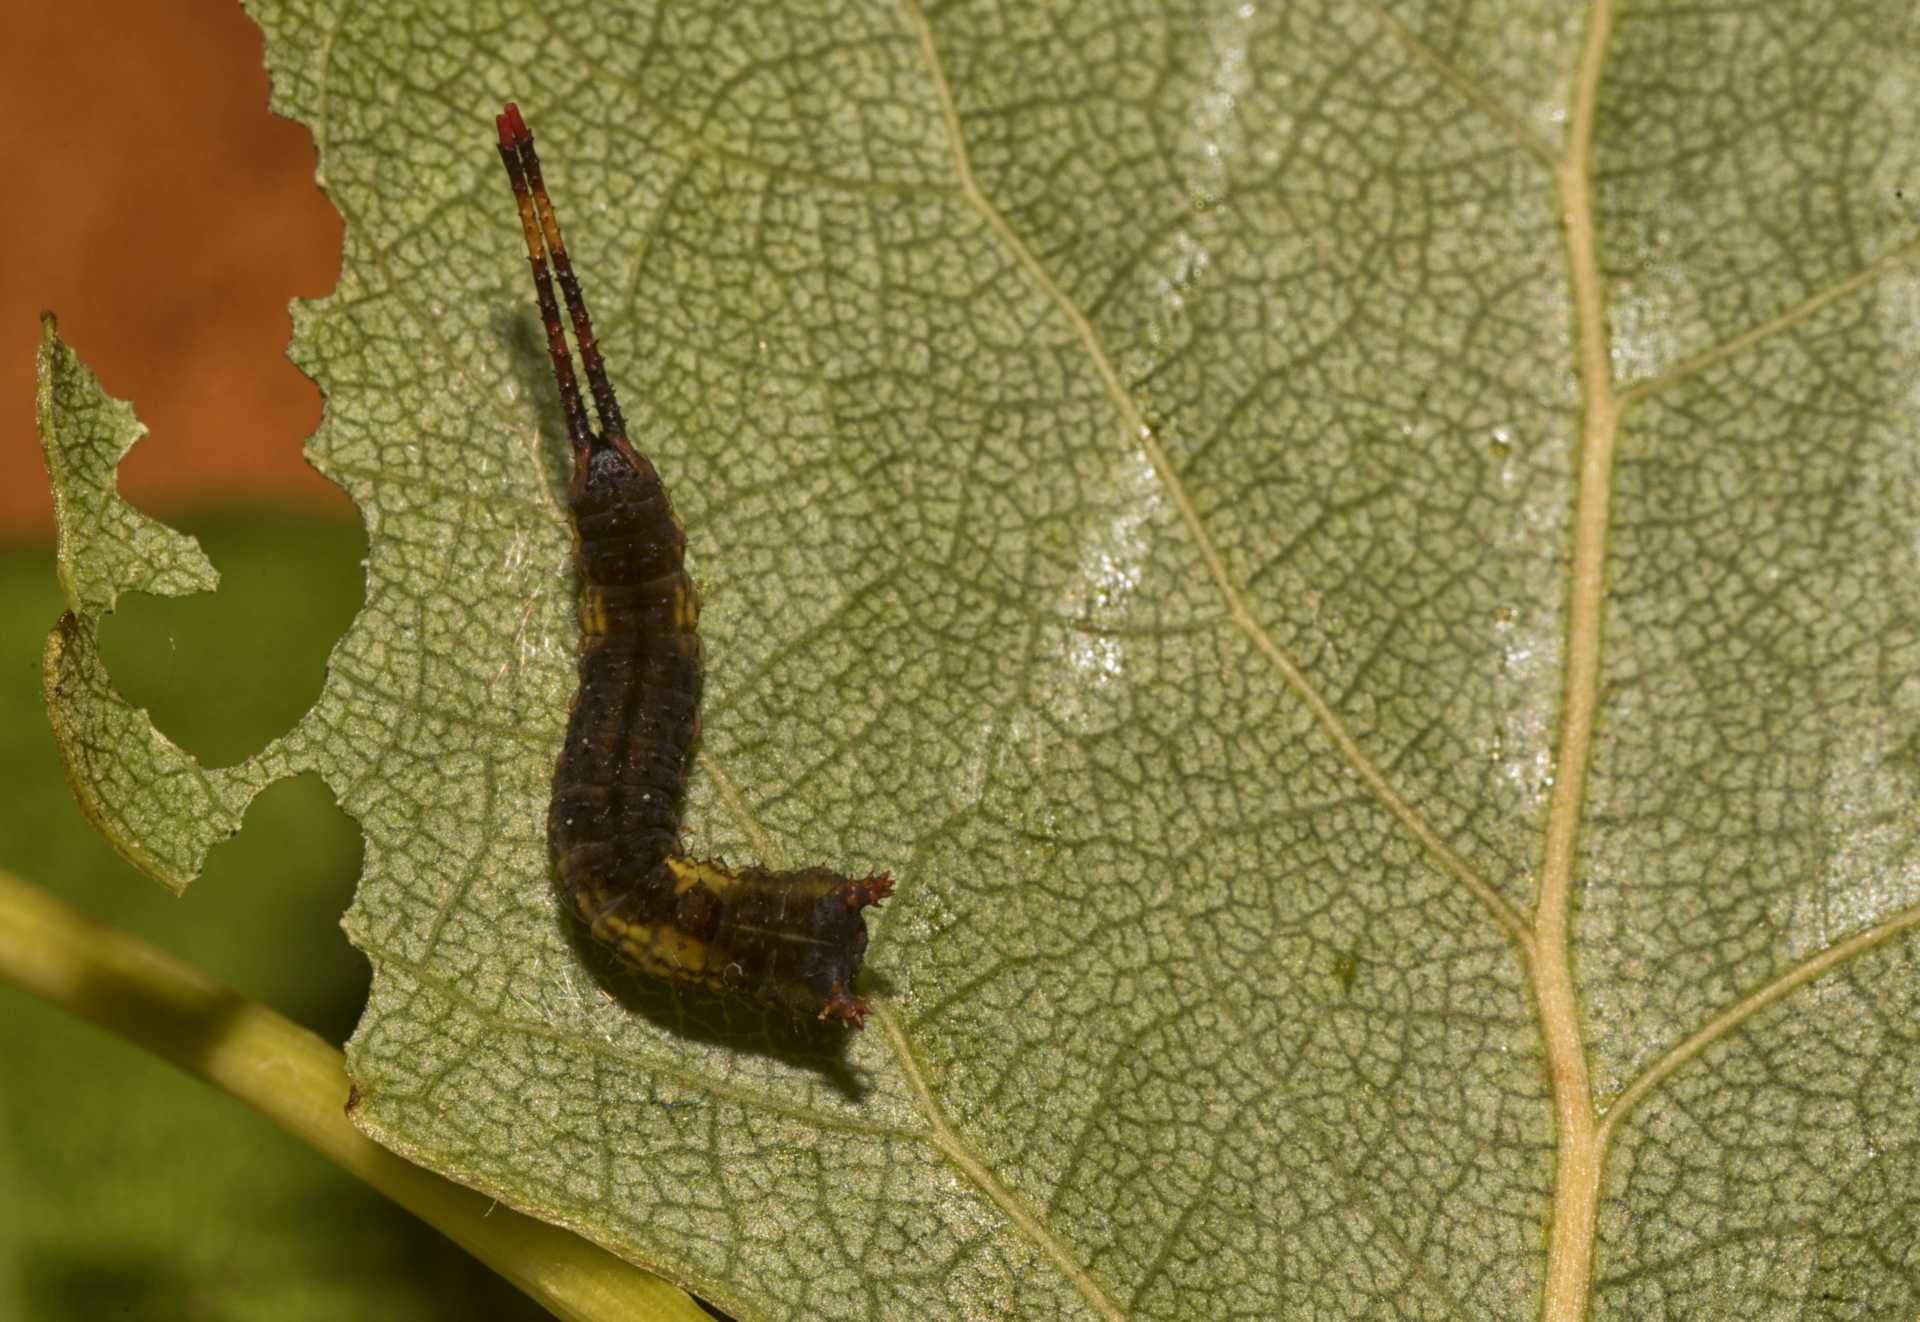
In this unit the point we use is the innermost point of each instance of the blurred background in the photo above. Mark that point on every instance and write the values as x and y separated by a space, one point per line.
167 218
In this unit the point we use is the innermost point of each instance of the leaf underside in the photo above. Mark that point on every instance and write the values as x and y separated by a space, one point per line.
1133 460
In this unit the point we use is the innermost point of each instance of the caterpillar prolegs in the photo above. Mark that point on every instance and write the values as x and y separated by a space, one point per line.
791 941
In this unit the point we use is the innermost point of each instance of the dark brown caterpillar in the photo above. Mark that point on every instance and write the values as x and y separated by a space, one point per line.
792 941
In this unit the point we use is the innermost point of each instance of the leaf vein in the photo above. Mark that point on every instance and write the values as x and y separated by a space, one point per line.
1242 615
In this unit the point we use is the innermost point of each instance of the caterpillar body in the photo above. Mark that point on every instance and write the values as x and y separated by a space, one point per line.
792 941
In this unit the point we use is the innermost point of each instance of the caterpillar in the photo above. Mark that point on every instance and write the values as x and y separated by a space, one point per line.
791 941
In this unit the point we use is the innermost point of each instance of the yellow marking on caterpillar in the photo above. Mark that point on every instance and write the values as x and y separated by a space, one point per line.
691 872
686 607
659 948
593 612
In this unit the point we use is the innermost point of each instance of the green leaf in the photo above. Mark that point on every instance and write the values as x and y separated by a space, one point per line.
105 545
1357 566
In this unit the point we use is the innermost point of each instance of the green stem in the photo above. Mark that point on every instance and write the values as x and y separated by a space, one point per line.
299 1082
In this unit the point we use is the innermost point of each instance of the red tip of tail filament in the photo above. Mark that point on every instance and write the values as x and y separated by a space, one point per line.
512 128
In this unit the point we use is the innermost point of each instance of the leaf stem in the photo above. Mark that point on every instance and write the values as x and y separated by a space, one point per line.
298 1081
